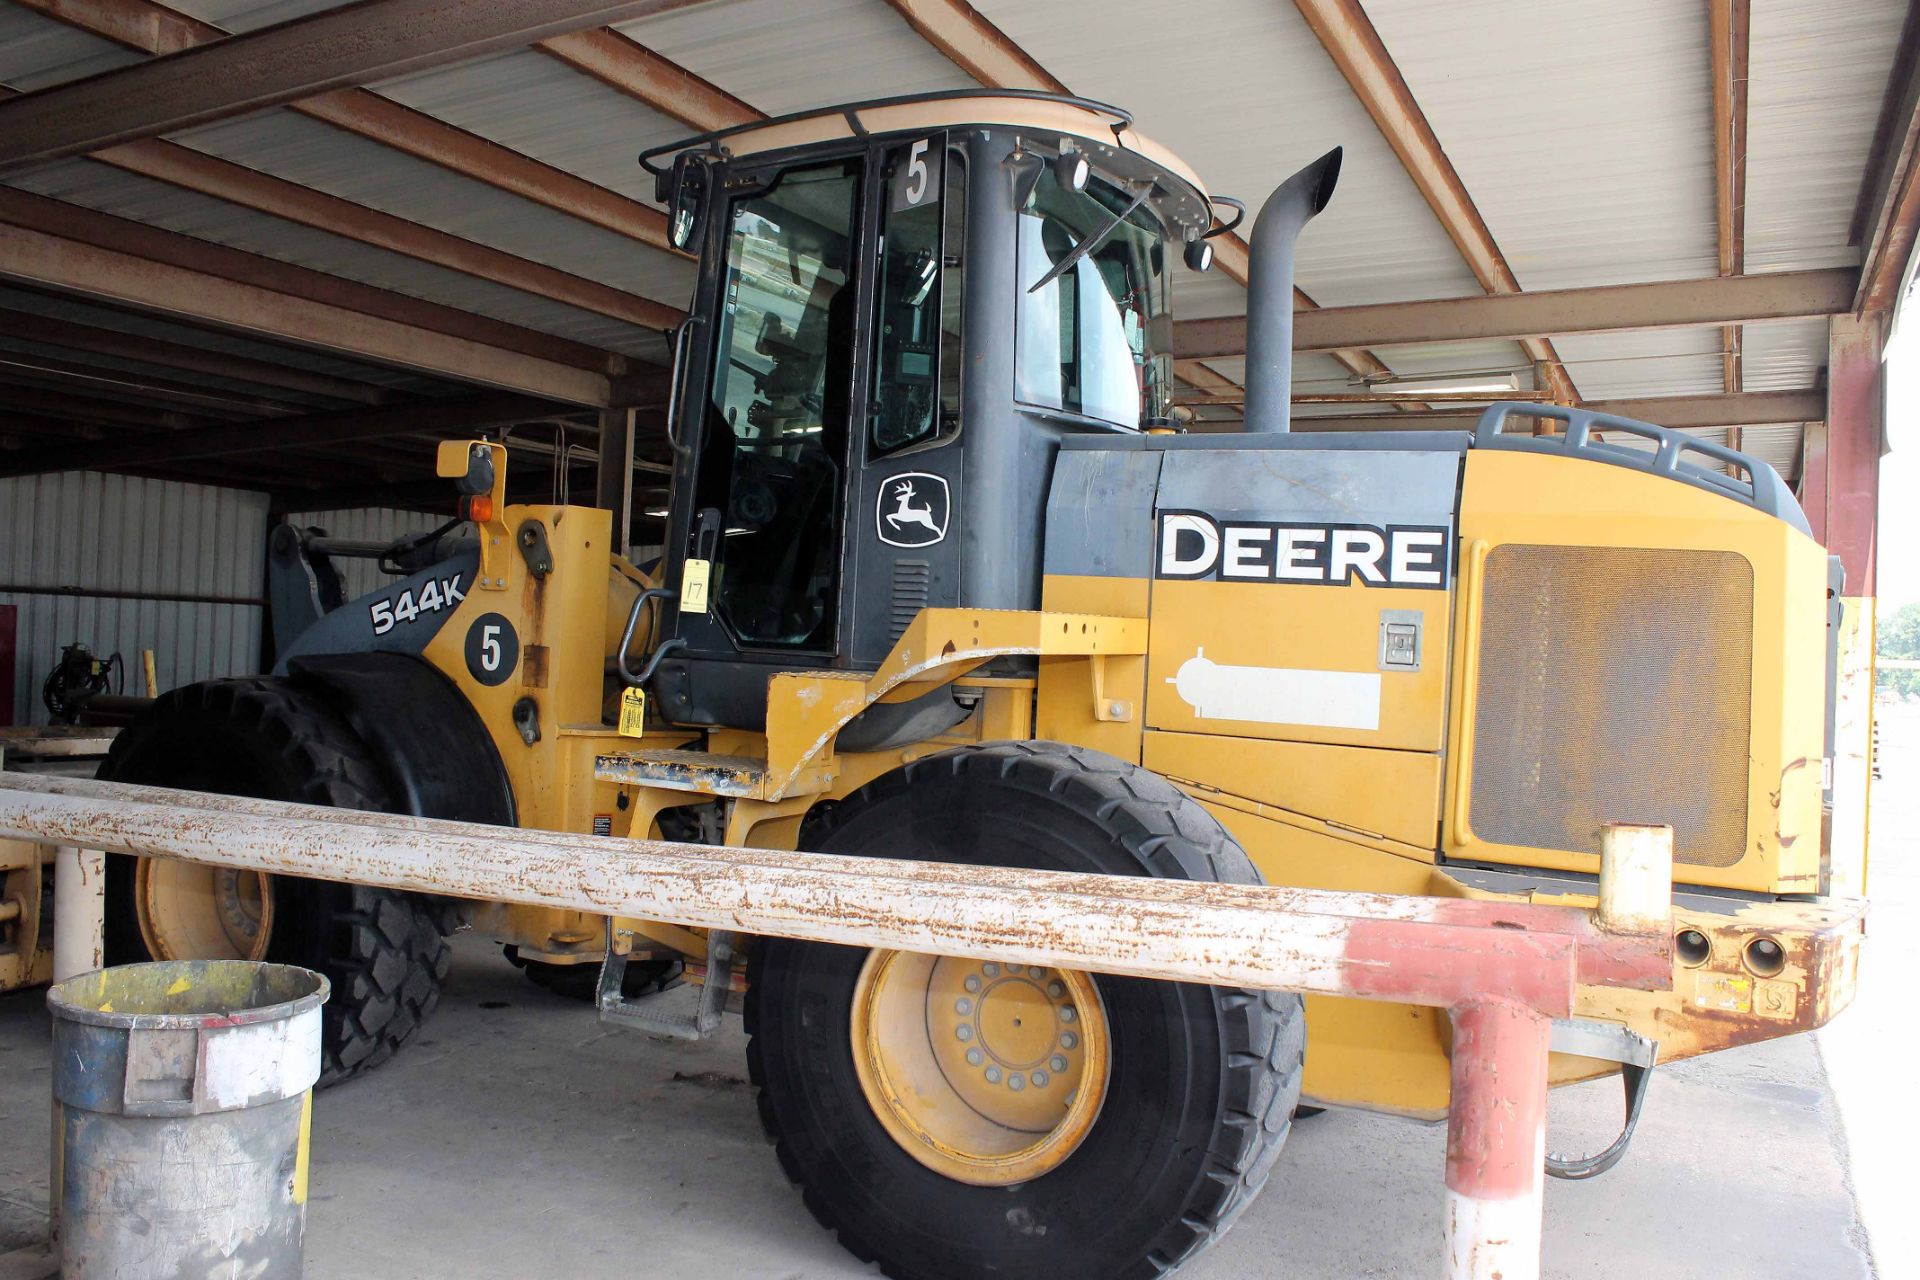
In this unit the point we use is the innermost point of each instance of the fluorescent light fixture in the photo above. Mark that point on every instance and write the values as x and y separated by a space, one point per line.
1501 388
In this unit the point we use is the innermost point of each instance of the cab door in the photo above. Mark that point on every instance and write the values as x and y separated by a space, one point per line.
761 497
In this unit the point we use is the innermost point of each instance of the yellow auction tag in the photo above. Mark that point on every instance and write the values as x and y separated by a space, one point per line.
633 714
693 585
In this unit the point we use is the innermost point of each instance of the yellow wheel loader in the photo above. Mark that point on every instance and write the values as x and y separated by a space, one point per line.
942 578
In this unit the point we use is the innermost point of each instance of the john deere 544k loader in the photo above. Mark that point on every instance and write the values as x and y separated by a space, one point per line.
942 580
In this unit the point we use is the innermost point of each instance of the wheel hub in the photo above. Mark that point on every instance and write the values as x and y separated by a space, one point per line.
986 1072
1011 1046
192 912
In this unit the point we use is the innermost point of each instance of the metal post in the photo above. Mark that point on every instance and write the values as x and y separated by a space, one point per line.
1636 878
1496 1141
79 911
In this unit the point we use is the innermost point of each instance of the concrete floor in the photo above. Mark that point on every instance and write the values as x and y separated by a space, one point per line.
519 1138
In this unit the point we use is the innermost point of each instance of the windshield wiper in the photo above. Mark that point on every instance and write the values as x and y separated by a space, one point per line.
1092 242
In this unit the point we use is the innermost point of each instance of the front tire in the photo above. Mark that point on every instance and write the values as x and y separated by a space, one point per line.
381 949
1199 1082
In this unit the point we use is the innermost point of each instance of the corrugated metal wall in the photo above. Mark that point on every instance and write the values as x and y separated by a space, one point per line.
122 534
372 524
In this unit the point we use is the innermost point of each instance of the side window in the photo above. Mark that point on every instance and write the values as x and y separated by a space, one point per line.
917 366
771 472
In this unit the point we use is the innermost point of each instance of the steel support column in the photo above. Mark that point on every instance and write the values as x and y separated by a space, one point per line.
614 491
1845 486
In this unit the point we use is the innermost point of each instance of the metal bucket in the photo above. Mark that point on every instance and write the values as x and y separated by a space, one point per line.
183 1093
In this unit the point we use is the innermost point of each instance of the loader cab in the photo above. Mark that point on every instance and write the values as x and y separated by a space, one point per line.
897 317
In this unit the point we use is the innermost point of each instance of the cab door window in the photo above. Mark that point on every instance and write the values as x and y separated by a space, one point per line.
770 487
917 368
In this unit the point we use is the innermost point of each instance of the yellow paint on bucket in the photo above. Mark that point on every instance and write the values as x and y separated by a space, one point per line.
303 1155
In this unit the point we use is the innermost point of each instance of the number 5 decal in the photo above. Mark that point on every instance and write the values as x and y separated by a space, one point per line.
493 650
917 173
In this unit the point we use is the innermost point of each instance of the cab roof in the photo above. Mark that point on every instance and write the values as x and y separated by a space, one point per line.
1104 133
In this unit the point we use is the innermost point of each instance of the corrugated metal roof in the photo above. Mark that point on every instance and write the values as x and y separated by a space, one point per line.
1584 132
1377 241
1652 362
538 105
317 155
128 195
122 533
36 52
1817 72
1777 445
1785 355
791 55
250 15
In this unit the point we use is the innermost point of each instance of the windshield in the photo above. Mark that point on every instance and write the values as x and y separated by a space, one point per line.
1094 341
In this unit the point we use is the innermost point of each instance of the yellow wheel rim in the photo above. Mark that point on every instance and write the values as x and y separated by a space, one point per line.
988 1073
192 912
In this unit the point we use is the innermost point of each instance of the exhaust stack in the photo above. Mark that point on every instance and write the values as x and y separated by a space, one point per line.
1270 291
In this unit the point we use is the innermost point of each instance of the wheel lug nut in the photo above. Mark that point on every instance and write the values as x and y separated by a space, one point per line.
1040 1079
991 969
963 1032
1016 1082
973 982
993 1075
963 1006
975 1057
1067 1013
1055 990
1058 1063
1068 1039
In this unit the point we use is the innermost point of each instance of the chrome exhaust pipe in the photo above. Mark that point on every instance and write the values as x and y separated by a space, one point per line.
1269 383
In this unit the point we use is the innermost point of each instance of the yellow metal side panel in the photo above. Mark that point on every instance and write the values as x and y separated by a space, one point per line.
1395 794
1360 1053
1547 501
1296 627
559 621
1064 705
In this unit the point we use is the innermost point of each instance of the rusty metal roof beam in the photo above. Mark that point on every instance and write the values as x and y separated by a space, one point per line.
69 335
103 230
1728 25
120 383
1662 304
621 63
990 56
1357 50
49 245
339 48
1887 215
152 28
225 440
208 175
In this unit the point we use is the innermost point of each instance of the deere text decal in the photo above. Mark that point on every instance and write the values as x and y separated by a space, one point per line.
1194 544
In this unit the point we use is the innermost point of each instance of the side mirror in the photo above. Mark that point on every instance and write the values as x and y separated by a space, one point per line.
687 198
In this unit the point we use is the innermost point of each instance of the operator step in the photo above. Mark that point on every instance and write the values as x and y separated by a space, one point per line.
703 772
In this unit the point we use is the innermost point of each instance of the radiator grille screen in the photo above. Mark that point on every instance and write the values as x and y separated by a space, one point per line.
1614 686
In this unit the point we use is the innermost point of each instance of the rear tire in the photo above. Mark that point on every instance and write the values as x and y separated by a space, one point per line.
381 949
1202 1081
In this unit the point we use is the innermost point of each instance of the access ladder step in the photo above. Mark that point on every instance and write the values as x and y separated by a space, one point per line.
742 777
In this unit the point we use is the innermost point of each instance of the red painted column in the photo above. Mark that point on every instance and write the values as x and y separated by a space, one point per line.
1496 1141
1854 440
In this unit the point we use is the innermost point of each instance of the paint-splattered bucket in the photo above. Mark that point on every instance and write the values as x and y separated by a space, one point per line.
182 1095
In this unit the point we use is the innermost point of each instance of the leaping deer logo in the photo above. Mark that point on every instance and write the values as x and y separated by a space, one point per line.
903 525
